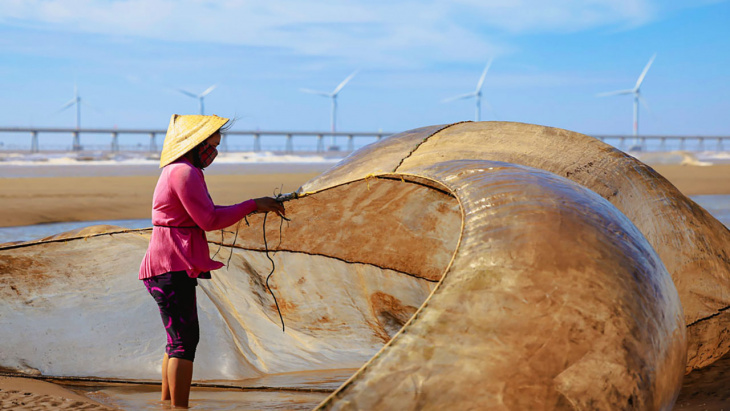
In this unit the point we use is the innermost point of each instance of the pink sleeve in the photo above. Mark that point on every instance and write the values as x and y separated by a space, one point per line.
193 194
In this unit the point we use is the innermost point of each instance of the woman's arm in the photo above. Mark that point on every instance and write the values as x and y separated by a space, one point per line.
190 187
266 204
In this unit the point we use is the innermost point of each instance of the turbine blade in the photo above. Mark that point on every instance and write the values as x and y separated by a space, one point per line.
459 97
67 105
208 90
484 75
643 73
321 93
187 93
643 102
345 81
614 93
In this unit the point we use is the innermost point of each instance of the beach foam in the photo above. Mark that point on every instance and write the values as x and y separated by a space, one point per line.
140 158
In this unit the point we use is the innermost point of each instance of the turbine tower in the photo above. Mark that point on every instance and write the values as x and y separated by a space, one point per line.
637 96
77 101
477 93
200 96
333 96
76 145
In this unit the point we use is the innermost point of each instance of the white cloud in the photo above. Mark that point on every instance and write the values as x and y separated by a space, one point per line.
534 16
364 32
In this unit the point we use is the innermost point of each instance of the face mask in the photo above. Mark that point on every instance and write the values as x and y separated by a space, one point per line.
207 154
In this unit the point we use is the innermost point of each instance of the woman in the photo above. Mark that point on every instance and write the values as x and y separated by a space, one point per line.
182 211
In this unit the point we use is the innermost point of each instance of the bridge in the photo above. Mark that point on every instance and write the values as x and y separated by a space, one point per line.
316 139
116 134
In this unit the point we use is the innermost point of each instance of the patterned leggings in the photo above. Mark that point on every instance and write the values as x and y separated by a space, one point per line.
174 293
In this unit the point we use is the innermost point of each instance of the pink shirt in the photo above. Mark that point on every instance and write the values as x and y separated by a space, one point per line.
181 200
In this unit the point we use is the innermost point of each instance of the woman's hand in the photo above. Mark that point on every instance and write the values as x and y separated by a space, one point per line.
265 204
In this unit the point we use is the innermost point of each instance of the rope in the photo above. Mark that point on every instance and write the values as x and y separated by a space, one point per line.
279 197
233 244
67 380
220 246
273 267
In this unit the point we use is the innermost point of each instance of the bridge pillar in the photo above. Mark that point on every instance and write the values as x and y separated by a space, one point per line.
115 142
33 141
76 145
289 145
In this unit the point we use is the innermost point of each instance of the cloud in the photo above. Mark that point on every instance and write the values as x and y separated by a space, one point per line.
361 32
536 16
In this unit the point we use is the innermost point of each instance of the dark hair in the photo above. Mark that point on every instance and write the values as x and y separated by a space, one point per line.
197 162
228 125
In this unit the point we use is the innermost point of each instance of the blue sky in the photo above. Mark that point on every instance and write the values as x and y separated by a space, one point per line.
550 61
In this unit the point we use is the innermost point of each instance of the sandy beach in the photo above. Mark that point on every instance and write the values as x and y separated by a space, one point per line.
695 180
40 200
36 200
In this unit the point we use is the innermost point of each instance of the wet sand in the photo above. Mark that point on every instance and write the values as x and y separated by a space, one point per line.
290 391
27 201
695 180
29 394
110 196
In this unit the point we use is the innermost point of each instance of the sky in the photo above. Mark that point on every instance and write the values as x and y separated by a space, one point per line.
550 59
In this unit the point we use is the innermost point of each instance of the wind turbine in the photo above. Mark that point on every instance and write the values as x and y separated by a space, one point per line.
477 93
76 145
200 96
333 96
77 101
637 96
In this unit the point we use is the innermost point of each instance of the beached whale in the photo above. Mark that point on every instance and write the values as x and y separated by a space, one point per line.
494 263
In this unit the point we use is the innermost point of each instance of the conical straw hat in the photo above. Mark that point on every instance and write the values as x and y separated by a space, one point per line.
186 132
